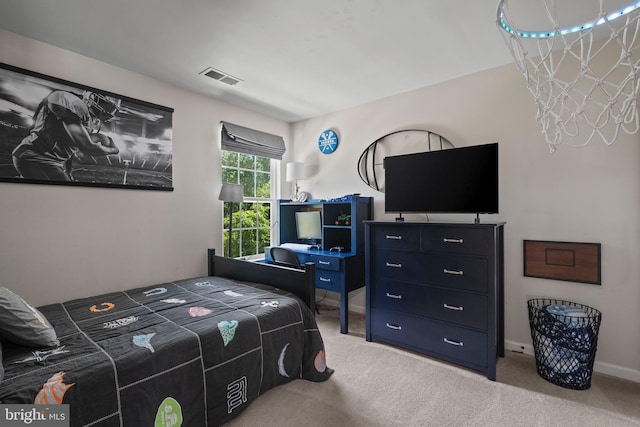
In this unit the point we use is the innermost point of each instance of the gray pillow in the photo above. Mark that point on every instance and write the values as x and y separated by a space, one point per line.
1 365
22 324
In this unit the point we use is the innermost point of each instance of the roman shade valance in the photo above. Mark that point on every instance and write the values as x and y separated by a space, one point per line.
250 141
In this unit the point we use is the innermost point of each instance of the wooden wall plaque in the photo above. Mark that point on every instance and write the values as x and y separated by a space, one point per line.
570 261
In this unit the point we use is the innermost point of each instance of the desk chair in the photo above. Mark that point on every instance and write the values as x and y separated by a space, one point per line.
286 257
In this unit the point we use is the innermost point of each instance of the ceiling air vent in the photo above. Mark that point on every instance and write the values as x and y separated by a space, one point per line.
220 76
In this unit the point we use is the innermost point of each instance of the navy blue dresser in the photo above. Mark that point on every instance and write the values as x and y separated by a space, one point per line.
437 288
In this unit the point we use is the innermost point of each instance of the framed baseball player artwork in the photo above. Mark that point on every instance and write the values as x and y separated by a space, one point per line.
53 131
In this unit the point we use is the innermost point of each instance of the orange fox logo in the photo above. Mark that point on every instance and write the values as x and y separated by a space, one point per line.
52 391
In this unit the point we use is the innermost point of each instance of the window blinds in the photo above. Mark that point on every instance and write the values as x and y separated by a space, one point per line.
250 141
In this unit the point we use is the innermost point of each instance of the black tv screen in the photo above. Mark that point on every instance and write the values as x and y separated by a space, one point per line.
458 180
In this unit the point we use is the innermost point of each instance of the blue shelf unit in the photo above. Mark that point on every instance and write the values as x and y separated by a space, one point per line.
337 270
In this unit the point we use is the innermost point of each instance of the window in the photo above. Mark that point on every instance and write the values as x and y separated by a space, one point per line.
251 226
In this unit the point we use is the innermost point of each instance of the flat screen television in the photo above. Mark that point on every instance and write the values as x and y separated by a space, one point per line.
457 180
309 226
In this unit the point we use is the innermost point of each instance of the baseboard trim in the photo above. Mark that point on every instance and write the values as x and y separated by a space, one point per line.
600 367
357 309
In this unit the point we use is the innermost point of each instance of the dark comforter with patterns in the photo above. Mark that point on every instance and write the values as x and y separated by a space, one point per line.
191 353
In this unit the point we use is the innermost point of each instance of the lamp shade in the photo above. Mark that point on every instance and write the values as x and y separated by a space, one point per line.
295 170
231 192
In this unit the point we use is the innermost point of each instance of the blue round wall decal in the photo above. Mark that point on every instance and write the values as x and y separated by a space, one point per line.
328 141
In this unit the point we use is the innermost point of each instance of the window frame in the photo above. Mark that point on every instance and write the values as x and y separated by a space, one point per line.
271 202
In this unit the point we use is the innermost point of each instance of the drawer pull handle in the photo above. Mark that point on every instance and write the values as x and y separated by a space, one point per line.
322 279
390 264
455 272
452 342
392 237
397 328
324 262
394 296
453 307
453 240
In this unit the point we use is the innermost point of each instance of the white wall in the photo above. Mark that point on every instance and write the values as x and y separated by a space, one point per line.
59 242
582 195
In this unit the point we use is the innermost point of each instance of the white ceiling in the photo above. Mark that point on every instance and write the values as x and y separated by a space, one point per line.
297 58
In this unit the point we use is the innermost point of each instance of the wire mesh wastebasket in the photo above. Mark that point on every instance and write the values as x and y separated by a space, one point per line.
565 339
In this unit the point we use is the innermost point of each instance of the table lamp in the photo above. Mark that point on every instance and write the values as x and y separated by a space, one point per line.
295 171
231 193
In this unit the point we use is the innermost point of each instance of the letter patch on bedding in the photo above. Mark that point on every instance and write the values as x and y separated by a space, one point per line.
174 301
236 394
227 330
169 414
42 355
53 390
155 291
120 322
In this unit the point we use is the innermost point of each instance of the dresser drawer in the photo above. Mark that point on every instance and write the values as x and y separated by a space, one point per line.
457 272
397 265
431 337
325 262
456 307
396 238
457 240
329 280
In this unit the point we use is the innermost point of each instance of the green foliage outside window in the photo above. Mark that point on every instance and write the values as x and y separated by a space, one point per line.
251 220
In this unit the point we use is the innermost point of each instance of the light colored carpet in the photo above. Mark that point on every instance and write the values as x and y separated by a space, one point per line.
378 385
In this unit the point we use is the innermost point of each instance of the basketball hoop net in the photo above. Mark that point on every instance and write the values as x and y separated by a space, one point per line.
573 90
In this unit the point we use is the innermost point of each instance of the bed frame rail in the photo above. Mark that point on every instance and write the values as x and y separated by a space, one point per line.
301 282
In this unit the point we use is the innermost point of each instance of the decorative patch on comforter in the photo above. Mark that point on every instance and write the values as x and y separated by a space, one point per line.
227 330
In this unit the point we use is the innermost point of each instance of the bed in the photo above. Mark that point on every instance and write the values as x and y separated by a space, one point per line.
192 352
